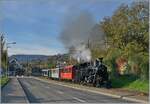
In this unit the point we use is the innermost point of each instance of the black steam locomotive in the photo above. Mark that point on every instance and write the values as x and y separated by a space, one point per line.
93 73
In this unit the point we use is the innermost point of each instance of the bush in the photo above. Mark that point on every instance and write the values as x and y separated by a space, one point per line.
139 85
4 80
122 81
110 60
139 65
144 66
130 82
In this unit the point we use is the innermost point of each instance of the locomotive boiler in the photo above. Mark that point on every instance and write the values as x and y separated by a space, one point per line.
94 73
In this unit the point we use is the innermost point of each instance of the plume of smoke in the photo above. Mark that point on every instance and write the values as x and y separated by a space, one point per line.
77 32
82 53
97 37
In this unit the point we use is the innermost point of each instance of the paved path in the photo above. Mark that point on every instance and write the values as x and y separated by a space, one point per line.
38 91
13 92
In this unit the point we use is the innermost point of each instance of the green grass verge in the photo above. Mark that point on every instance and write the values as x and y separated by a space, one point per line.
139 85
4 80
130 83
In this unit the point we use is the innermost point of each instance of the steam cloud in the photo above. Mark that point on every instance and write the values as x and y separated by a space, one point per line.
82 53
76 33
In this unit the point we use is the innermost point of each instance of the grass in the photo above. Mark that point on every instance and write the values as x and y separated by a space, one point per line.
4 80
139 85
130 83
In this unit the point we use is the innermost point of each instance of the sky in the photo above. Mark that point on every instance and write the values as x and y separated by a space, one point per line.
35 25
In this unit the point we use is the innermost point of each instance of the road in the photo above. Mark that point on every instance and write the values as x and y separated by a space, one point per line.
39 91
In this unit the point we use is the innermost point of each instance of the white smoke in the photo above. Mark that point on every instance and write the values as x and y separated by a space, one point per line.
79 29
81 53
76 32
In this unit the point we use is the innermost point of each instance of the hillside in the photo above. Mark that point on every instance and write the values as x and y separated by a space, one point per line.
25 58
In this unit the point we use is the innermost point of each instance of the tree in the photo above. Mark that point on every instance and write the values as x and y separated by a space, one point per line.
4 57
128 24
128 31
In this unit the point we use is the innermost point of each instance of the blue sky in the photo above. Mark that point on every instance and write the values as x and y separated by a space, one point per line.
36 24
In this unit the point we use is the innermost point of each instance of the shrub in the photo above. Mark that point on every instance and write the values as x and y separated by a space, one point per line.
110 60
144 66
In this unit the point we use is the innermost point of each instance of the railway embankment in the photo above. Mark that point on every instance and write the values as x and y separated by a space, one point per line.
113 92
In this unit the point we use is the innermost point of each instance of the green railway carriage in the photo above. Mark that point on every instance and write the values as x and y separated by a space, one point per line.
49 73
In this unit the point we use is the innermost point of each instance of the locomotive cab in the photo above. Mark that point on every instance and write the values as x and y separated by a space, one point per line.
101 75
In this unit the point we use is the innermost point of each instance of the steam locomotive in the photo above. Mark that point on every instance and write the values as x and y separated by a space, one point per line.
94 73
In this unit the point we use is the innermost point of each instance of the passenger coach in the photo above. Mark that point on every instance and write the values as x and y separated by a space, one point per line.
67 73
46 72
54 73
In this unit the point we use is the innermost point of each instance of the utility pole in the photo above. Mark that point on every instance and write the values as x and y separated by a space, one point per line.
7 61
27 65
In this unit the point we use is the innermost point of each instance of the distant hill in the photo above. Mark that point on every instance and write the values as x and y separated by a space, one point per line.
28 58
25 58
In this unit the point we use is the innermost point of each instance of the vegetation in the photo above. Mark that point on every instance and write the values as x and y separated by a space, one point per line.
127 38
127 35
131 83
139 85
4 80
4 58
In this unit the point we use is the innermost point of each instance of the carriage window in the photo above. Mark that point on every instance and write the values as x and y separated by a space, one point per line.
69 70
54 71
64 70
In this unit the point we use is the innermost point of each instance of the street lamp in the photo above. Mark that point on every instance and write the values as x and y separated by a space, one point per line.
7 62
7 56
